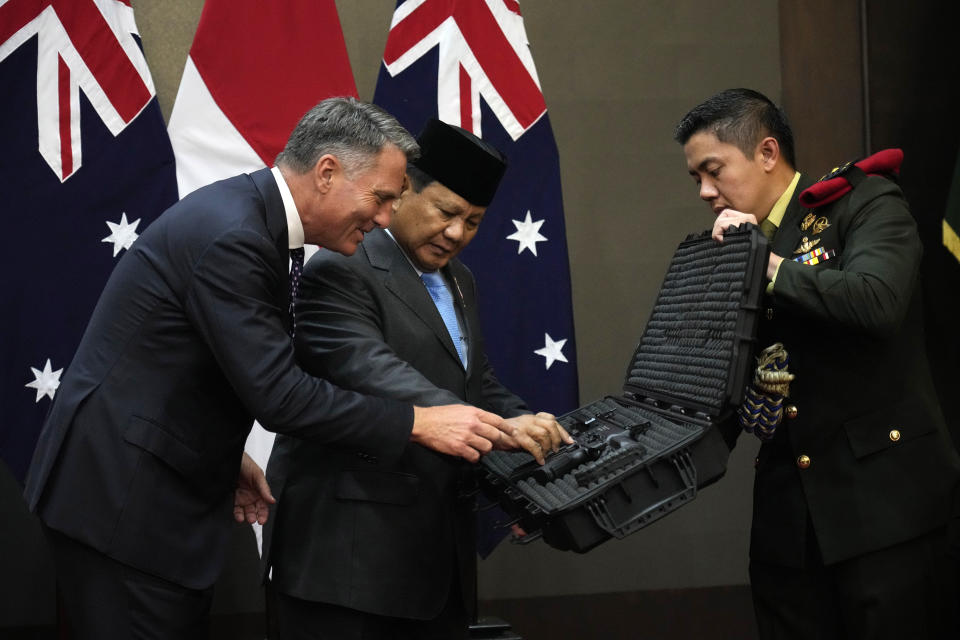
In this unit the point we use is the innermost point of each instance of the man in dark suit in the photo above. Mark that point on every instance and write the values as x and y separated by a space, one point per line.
136 465
388 545
853 491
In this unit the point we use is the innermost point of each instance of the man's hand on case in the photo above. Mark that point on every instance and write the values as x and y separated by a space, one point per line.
537 434
456 429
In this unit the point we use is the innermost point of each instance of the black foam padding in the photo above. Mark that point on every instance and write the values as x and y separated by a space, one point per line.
636 456
661 438
691 343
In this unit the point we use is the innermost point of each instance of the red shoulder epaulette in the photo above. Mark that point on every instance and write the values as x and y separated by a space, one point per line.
842 179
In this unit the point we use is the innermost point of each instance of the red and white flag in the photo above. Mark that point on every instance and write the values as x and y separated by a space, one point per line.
254 69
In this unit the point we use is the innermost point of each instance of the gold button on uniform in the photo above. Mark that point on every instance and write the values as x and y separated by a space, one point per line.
803 462
791 411
894 435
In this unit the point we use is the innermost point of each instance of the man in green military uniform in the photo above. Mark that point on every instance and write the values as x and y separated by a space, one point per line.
854 486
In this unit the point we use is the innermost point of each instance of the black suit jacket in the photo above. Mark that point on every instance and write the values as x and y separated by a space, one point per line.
140 453
369 533
853 328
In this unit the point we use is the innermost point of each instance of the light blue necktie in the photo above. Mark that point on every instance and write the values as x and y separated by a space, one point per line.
444 301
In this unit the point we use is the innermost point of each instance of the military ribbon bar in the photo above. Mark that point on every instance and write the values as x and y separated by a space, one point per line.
816 256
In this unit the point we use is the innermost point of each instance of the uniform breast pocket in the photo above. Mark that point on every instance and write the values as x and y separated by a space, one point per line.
888 427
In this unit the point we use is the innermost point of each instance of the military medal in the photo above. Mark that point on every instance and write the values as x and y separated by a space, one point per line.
807 221
820 224
806 244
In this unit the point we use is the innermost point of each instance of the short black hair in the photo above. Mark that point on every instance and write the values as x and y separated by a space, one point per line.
419 179
741 117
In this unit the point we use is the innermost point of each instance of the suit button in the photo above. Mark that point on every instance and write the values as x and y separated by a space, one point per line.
769 313
803 462
756 462
894 435
791 411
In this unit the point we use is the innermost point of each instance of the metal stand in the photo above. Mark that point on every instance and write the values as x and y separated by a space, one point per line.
490 628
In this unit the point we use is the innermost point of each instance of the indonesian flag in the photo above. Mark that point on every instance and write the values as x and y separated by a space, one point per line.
254 69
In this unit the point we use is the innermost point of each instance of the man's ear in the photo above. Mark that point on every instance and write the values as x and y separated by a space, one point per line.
406 191
769 151
325 172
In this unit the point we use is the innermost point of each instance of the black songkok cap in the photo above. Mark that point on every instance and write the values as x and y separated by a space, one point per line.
460 161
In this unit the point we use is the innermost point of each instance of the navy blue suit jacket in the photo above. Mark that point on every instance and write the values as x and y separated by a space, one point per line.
140 453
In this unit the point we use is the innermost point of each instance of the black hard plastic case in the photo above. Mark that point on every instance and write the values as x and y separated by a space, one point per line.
643 453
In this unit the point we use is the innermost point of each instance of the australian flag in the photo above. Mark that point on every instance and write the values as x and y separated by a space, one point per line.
86 166
467 63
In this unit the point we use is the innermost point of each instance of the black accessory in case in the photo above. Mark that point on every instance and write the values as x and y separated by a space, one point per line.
640 455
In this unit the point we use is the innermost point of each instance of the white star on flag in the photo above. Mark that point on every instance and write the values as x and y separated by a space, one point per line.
123 233
527 235
552 350
46 381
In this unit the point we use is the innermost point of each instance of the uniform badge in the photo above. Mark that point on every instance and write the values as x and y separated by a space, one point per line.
807 221
836 171
821 224
806 244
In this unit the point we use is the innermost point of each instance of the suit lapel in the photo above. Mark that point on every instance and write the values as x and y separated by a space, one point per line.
400 278
461 280
275 218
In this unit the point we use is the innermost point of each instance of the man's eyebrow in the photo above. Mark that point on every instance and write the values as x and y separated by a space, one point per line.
703 165
449 205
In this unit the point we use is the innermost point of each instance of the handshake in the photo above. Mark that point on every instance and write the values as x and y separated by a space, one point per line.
468 432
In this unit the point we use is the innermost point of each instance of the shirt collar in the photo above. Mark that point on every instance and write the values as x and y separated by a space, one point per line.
294 225
780 206
419 272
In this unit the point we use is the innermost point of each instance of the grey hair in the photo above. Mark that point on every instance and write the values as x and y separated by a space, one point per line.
352 131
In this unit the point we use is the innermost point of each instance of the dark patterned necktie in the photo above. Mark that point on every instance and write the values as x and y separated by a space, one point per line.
296 268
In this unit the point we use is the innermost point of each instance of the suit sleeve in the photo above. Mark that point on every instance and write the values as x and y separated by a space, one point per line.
340 337
229 302
871 291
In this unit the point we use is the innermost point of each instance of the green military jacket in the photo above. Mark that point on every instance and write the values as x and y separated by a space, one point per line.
863 451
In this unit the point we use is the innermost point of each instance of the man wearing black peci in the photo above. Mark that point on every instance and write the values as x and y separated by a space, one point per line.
387 545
